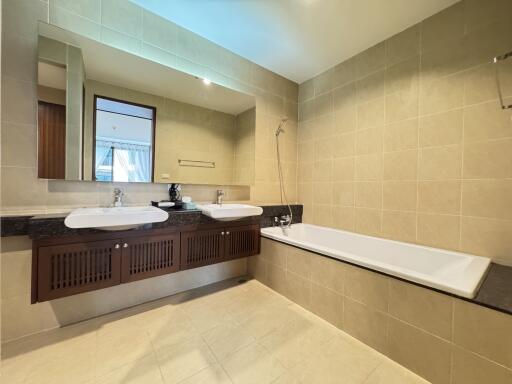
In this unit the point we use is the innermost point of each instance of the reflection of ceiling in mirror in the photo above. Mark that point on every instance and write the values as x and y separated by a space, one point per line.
112 66
51 75
121 127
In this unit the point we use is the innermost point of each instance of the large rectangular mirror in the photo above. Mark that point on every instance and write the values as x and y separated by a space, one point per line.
108 115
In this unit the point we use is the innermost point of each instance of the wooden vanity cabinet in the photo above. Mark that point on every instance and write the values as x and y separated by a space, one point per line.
149 256
210 246
70 265
68 269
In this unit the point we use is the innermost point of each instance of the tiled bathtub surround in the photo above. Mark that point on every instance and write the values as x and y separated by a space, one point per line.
407 140
441 338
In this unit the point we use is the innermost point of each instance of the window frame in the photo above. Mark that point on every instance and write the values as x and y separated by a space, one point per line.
153 133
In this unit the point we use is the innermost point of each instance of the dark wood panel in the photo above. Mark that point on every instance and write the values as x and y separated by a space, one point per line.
204 247
149 256
69 269
242 241
51 140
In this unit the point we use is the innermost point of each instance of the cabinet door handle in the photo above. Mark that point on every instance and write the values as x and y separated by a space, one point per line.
117 246
125 245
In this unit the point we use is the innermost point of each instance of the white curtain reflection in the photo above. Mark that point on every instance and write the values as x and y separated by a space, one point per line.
131 162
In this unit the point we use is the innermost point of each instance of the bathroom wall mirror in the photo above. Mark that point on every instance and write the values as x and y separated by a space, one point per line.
108 115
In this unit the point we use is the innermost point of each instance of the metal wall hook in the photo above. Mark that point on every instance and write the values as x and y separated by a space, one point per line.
496 60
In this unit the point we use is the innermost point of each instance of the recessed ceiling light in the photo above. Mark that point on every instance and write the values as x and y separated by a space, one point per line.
207 81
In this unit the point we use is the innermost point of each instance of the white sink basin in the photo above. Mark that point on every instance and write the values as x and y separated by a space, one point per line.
227 212
114 219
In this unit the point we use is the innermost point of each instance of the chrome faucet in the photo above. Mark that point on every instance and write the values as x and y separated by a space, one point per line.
282 221
220 195
118 197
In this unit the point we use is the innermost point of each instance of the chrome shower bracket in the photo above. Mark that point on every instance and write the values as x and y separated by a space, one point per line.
496 60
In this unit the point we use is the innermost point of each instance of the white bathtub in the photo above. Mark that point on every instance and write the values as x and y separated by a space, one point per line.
457 273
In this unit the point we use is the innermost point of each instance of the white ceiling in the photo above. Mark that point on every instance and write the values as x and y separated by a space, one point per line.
297 39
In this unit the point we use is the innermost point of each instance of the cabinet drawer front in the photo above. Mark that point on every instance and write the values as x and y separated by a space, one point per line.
242 241
69 269
150 256
199 248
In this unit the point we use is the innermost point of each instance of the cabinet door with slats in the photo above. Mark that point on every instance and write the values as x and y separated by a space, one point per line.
150 256
202 247
68 269
242 241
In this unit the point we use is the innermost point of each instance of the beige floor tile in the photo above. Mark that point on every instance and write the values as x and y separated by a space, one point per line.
253 364
257 335
115 351
142 371
182 360
226 339
294 343
340 361
392 373
212 375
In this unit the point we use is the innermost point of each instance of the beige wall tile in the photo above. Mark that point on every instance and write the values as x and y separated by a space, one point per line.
421 307
469 368
343 145
371 114
440 163
343 218
403 45
323 82
345 120
371 87
345 72
368 194
485 121
298 261
298 290
343 169
327 273
344 97
440 231
327 304
445 25
441 129
399 225
368 221
441 94
484 331
401 106
487 198
487 237
421 352
439 196
399 195
488 159
401 136
343 193
401 165
369 140
371 60
367 287
365 324
368 167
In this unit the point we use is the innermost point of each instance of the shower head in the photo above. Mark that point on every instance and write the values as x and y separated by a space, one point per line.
280 128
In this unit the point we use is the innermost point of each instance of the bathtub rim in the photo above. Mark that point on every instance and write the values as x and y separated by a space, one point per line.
375 267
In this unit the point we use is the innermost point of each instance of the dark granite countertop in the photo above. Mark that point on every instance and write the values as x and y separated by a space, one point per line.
496 290
49 225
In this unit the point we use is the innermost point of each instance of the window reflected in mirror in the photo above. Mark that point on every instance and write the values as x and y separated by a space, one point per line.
123 140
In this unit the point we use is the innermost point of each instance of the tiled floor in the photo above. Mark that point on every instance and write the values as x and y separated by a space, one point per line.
225 333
